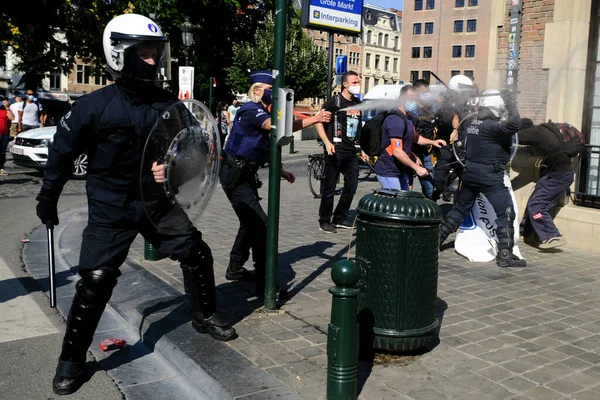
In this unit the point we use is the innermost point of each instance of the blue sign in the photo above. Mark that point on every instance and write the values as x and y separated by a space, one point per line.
343 16
341 65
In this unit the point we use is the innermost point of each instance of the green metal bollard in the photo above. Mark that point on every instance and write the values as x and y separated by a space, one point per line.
292 146
342 336
151 253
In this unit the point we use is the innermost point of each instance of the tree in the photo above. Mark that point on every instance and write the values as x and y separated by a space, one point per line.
305 64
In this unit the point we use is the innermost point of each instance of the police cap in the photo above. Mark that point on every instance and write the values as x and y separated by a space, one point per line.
262 76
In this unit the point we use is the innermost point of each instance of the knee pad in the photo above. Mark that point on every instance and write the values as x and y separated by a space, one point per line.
448 226
95 286
198 255
510 214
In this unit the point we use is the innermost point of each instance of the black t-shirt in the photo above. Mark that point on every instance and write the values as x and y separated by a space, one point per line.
424 123
349 124
544 143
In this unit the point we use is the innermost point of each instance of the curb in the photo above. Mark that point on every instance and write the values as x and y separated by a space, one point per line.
165 356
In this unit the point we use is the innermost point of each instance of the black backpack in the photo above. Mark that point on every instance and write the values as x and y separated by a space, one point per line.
571 138
372 130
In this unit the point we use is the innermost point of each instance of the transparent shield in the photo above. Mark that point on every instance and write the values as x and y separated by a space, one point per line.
185 144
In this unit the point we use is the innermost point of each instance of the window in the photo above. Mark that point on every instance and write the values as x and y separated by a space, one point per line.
386 64
430 4
427 52
416 52
338 52
368 60
414 75
368 15
395 64
86 75
385 40
380 39
418 5
367 79
471 25
54 81
429 28
458 26
472 3
396 43
80 72
469 74
470 50
459 3
417 29
357 58
354 39
454 72
377 58
368 37
426 75
456 51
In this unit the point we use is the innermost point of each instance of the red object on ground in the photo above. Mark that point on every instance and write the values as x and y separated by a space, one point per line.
25 240
111 344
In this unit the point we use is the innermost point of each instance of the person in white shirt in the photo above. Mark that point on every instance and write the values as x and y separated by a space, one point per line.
232 110
15 108
30 116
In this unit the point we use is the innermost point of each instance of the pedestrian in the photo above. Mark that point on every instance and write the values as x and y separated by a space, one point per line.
223 121
556 176
340 139
247 150
424 121
15 108
398 135
31 115
6 116
488 153
232 110
113 124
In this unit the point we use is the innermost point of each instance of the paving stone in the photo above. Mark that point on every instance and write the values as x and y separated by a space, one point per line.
542 393
565 386
518 384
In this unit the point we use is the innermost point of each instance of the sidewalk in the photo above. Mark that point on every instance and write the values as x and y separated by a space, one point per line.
506 334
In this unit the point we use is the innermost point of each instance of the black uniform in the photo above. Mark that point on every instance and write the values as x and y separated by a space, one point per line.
446 160
112 125
488 153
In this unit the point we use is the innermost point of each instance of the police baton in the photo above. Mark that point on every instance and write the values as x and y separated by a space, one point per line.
51 269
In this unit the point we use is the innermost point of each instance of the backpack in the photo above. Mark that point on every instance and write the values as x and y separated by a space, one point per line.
372 131
571 138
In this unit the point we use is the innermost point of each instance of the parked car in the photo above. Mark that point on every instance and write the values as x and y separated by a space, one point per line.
31 150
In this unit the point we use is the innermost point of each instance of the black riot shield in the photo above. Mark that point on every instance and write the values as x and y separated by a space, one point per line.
180 166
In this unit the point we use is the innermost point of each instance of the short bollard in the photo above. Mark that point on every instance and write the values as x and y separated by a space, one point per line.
342 336
292 151
151 253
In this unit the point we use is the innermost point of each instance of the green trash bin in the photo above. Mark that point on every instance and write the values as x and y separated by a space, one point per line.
397 246
151 253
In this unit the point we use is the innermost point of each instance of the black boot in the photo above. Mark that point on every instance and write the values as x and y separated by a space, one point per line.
238 273
506 242
447 227
93 292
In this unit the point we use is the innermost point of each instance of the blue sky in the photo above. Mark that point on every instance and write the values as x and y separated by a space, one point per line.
397 4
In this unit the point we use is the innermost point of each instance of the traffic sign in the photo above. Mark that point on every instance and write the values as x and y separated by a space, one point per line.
341 64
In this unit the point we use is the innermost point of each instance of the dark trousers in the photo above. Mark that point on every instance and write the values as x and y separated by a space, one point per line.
346 164
445 162
481 178
4 140
252 233
547 192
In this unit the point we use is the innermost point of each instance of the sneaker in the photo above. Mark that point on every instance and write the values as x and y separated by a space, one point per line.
552 242
3 171
344 224
327 227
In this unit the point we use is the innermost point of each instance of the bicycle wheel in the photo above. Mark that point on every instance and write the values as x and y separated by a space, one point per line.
365 169
316 169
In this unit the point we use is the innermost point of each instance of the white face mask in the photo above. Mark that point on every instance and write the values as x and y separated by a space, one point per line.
354 89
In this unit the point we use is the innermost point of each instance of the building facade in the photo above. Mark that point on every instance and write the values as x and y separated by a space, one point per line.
447 38
382 38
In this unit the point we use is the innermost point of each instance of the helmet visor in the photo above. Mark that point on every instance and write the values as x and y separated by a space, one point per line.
149 61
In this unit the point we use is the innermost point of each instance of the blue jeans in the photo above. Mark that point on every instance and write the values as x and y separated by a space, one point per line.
393 182
4 140
427 182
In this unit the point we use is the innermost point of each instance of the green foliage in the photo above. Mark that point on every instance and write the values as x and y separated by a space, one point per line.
305 64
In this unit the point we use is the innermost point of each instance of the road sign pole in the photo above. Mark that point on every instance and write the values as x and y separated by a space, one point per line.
330 67
275 159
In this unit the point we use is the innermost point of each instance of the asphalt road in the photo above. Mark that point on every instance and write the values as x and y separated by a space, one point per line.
29 355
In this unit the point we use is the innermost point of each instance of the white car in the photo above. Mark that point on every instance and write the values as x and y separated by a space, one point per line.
31 150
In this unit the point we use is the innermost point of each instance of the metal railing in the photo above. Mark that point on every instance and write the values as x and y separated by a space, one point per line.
587 187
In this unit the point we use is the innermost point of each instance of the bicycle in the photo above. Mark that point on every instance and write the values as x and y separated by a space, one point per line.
316 172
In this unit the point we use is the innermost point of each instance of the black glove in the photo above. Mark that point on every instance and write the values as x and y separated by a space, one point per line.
507 96
47 209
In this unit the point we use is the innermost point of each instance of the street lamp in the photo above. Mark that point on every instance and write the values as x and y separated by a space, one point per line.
187 37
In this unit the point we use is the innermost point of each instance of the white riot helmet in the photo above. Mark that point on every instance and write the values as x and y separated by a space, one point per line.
128 40
461 83
492 100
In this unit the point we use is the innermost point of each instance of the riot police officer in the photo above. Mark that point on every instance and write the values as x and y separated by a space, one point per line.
489 143
247 149
112 125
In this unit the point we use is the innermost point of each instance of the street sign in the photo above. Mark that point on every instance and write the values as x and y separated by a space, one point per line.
339 16
341 65
186 83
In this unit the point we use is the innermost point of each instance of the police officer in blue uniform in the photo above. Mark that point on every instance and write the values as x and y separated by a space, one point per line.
489 143
112 125
247 150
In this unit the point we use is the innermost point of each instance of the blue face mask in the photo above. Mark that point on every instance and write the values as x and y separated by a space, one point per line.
30 97
411 107
267 96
